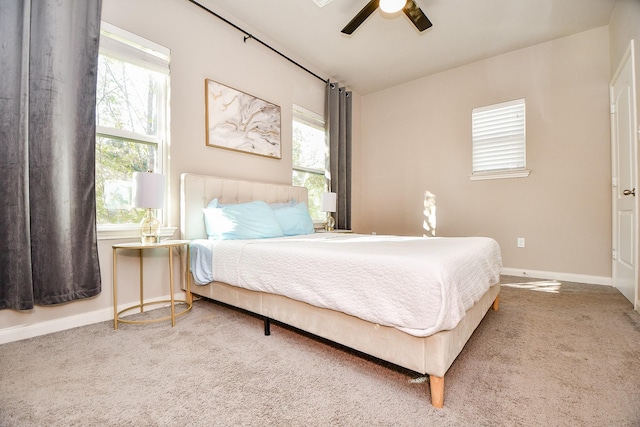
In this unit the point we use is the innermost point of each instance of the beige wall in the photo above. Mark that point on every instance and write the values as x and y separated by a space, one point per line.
417 137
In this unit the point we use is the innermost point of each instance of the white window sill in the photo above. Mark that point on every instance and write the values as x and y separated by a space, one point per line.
500 175
129 232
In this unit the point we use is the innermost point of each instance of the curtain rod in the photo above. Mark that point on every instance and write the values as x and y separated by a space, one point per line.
248 36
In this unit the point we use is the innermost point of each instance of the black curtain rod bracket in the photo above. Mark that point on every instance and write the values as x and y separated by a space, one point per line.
248 36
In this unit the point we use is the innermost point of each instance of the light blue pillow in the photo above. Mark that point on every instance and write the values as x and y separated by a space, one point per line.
253 220
276 206
294 220
214 203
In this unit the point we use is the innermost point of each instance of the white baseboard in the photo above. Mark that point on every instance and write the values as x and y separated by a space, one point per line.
552 275
21 332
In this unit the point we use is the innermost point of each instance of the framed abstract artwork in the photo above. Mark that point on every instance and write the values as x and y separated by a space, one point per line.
241 122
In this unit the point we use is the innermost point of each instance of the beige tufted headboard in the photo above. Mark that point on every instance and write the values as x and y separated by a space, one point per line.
196 191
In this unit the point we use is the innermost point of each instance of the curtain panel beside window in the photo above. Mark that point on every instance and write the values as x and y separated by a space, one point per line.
48 63
338 129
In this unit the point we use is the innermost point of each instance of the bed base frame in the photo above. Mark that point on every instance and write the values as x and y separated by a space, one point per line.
432 355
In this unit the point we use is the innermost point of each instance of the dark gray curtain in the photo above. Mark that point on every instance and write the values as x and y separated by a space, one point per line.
48 68
338 124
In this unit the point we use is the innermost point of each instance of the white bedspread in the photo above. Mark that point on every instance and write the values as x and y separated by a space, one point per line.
418 285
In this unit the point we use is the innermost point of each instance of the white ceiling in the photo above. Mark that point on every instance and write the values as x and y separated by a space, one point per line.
387 50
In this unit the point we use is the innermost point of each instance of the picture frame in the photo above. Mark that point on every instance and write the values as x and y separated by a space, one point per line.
241 122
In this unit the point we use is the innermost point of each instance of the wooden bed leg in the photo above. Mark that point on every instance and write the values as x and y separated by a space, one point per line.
436 384
496 304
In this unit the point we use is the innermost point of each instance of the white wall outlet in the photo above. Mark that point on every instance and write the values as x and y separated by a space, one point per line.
521 242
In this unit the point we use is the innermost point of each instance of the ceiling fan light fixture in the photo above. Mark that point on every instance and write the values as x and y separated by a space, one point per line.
392 6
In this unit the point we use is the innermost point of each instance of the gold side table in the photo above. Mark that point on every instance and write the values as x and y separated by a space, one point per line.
169 245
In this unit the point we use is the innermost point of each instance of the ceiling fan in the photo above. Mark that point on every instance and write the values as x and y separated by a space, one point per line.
410 8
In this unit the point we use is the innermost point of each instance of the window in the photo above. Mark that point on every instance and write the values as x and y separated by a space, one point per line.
131 121
499 141
310 154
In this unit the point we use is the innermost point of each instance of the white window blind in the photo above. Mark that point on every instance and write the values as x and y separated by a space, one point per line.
499 138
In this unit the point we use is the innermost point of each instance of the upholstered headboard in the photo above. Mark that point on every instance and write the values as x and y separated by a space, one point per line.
196 191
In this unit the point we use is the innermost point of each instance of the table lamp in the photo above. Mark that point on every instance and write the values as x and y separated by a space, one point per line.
149 194
328 205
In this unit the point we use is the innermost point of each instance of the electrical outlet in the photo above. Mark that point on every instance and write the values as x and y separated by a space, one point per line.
521 242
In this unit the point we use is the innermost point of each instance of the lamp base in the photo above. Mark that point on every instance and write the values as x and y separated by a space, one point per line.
330 223
149 228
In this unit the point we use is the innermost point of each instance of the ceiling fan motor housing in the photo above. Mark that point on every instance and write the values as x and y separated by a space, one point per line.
409 7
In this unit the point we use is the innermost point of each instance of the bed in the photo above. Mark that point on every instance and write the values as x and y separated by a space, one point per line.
428 346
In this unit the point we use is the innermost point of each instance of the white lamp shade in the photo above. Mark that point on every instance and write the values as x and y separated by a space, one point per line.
392 6
328 202
149 190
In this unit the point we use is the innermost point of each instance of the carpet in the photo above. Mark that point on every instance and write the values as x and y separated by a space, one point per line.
555 354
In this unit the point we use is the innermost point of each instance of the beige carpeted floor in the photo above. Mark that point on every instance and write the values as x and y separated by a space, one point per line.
555 354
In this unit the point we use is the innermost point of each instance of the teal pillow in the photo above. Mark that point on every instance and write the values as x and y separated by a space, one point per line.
253 220
294 220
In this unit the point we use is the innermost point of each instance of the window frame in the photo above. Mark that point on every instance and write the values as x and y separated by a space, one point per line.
122 45
480 114
315 120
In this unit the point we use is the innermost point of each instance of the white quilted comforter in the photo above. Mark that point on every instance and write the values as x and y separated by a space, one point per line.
418 285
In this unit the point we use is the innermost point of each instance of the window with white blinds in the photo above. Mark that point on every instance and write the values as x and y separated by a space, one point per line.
499 140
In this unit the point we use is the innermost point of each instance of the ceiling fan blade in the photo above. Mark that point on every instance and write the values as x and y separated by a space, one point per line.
415 14
361 16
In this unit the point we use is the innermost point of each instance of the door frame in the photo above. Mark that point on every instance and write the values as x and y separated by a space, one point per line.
628 56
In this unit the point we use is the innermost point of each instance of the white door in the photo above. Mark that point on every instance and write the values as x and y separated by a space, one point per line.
624 164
